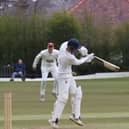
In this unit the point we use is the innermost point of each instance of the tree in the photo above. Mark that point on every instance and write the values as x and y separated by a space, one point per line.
62 27
22 38
98 39
122 41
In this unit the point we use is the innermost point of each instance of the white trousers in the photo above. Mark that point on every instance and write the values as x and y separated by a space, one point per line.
66 86
45 71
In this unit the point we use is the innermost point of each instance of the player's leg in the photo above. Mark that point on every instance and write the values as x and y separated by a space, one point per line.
55 88
60 102
43 85
73 88
13 76
21 75
76 97
55 84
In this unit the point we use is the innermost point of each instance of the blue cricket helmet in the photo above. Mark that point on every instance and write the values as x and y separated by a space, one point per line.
74 43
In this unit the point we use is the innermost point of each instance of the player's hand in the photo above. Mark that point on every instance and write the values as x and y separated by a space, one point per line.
90 57
83 51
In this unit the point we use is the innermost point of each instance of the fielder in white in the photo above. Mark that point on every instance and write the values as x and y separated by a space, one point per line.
66 82
48 64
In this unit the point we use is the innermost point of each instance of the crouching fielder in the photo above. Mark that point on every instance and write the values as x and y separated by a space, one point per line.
67 84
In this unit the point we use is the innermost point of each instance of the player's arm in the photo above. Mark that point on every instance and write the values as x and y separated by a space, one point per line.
75 61
57 54
36 60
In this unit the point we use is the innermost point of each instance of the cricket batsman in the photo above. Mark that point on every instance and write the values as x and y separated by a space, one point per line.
48 64
66 82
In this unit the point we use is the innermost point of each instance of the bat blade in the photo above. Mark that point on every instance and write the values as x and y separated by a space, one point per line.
108 65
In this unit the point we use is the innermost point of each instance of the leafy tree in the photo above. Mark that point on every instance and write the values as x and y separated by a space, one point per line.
62 27
21 38
122 41
98 39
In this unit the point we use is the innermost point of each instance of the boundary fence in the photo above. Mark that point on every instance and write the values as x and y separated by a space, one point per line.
82 77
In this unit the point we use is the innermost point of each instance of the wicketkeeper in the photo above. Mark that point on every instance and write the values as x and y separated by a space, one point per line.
66 82
48 64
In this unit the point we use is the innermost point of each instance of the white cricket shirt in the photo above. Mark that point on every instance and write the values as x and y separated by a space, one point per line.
47 59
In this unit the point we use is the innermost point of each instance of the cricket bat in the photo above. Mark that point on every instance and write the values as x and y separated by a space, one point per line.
108 65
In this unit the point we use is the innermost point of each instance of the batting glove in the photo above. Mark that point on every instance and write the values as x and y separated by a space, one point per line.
83 51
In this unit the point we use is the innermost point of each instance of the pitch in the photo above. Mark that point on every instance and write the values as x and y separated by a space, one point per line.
105 105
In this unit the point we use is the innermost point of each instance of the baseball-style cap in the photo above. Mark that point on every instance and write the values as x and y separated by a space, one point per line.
50 44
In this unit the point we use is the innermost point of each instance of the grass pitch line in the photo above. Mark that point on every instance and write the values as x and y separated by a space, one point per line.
66 116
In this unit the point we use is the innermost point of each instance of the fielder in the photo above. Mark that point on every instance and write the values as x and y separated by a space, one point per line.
66 82
48 64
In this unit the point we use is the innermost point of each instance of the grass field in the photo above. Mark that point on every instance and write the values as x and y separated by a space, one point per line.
105 105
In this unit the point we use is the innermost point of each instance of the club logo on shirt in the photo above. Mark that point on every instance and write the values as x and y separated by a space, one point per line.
49 61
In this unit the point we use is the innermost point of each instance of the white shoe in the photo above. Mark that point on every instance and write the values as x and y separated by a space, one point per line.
42 98
76 121
53 124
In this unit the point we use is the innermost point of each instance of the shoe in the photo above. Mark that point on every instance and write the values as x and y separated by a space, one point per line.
76 121
42 98
11 80
53 124
23 79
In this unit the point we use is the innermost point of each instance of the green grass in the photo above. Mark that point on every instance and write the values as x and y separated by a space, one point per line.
105 104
